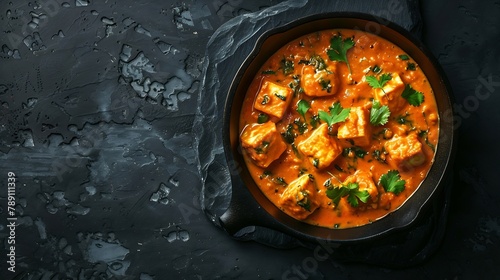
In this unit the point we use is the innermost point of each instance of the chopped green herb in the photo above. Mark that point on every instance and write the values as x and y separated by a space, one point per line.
311 177
338 168
296 151
338 49
262 118
403 119
287 66
282 97
425 135
302 171
325 85
265 174
376 69
268 72
379 115
262 148
301 126
403 57
304 202
318 62
289 135
358 152
316 162
304 61
392 182
379 83
351 190
411 66
328 183
314 121
377 154
280 181
414 97
265 99
337 114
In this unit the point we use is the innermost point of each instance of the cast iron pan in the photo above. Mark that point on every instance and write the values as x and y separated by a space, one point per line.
250 207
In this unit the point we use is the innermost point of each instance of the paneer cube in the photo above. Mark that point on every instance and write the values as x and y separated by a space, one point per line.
390 93
405 153
319 82
320 148
273 99
299 198
364 179
356 127
262 143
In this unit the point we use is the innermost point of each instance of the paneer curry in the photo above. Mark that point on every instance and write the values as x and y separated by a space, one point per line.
339 128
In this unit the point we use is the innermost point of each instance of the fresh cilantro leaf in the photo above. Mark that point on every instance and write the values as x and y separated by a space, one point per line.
338 49
337 114
302 171
379 115
378 83
303 61
351 190
392 182
403 57
328 183
302 107
352 200
414 97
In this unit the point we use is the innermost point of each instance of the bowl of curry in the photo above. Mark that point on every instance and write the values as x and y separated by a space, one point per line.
340 130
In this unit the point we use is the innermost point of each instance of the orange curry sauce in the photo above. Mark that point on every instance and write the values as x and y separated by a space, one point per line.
295 158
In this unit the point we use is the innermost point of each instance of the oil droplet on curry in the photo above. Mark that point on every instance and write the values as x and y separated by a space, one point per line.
339 128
